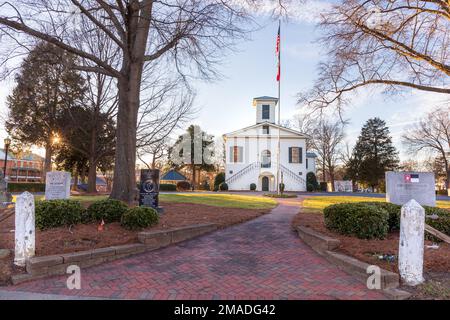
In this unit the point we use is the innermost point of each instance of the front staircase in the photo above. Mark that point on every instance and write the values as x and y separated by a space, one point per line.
293 175
243 172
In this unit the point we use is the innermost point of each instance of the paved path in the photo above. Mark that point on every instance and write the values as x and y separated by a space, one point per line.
259 259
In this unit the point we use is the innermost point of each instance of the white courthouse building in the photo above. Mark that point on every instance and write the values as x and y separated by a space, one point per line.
251 153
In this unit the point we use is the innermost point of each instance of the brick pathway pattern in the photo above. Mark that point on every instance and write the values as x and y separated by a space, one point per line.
259 259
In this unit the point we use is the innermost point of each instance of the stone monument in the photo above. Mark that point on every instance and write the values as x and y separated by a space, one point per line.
5 196
404 186
149 189
410 252
25 244
343 186
57 185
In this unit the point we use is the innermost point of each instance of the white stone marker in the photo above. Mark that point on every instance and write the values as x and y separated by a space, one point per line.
57 185
410 253
25 229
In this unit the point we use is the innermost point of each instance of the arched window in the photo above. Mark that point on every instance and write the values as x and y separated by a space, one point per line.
265 159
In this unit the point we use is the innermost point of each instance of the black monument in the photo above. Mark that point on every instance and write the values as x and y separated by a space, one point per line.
149 189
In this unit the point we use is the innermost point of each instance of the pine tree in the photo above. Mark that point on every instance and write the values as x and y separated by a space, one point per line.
204 144
373 154
45 86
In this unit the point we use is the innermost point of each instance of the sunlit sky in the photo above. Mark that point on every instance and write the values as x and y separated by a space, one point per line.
226 105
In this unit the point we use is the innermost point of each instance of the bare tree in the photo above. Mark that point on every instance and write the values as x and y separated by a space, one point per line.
432 134
190 34
327 137
393 44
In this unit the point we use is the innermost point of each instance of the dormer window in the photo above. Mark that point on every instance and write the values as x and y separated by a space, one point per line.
265 129
265 112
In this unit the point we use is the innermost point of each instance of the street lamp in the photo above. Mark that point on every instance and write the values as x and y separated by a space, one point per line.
7 142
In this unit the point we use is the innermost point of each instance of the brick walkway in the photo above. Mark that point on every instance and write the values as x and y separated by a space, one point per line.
259 259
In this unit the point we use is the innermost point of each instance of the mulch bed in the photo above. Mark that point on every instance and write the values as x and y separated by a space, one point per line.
85 236
435 260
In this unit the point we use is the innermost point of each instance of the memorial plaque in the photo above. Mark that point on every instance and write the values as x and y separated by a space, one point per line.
404 186
149 189
57 185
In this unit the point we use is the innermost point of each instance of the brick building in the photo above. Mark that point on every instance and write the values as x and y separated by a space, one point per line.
27 167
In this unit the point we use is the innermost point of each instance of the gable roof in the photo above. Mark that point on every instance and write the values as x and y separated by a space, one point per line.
266 98
173 175
266 123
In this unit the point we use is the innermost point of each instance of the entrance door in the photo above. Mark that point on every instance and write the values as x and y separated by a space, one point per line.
265 184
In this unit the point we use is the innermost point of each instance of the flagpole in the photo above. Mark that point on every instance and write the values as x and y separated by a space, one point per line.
279 111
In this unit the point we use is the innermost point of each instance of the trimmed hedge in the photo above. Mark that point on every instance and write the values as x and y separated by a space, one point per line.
183 186
167 187
362 220
57 213
108 210
220 177
394 211
30 187
223 186
139 217
311 180
252 187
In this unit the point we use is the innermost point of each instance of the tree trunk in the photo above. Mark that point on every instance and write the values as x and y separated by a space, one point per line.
193 177
75 181
48 159
92 174
124 186
92 177
83 175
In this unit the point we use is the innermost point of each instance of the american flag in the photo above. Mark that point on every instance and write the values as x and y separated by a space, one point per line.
278 54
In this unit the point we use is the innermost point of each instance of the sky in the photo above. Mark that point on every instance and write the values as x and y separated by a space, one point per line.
226 105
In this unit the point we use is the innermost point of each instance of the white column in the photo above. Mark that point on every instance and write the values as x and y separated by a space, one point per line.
25 244
411 246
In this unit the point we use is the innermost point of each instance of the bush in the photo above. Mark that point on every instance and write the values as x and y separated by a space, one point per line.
323 187
311 180
362 220
442 223
393 210
183 186
57 213
30 187
220 177
223 186
138 218
252 187
110 210
167 187
281 186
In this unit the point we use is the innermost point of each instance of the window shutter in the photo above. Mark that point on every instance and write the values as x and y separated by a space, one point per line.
290 155
300 154
240 154
306 163
231 154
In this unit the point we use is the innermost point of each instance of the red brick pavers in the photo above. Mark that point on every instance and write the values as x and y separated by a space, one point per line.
259 259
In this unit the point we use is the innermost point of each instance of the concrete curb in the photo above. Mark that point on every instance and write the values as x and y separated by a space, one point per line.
325 246
41 267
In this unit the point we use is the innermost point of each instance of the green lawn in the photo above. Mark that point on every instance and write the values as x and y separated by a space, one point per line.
79 198
317 204
218 200
221 200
